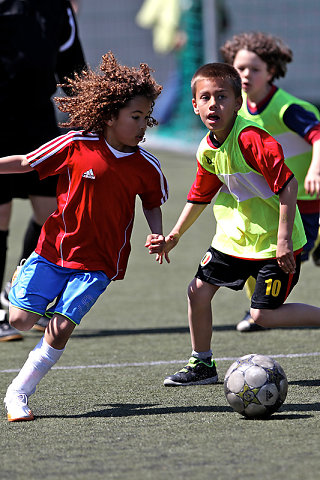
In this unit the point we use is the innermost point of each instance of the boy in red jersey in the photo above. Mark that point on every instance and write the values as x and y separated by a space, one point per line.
260 59
85 243
259 229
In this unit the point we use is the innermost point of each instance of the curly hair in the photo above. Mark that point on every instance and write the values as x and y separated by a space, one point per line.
97 96
272 50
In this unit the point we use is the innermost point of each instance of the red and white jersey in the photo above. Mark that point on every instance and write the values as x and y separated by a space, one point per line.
96 195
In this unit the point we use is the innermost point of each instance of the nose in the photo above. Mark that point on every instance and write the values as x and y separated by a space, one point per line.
246 72
212 102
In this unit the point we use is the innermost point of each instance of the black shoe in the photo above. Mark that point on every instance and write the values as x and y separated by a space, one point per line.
7 332
196 372
41 324
247 324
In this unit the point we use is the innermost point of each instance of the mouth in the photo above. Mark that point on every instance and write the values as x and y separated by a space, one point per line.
140 137
213 118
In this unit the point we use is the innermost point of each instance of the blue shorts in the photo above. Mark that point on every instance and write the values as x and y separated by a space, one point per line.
40 282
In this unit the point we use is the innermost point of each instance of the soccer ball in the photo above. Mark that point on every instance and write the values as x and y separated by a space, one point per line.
255 386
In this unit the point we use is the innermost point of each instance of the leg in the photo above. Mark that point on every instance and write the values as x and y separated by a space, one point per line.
5 215
200 295
247 324
7 332
201 368
288 315
39 362
42 207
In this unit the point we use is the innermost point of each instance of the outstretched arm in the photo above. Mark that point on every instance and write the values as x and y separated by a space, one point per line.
154 219
14 164
188 216
288 198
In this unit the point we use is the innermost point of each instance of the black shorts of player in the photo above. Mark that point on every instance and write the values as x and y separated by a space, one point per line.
22 185
273 285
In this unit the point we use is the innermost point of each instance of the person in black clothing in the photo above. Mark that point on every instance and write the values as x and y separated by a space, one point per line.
39 47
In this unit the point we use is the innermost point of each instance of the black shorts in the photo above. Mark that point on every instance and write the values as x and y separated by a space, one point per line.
22 185
272 284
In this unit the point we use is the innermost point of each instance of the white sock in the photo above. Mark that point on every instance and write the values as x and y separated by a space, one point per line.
38 363
202 355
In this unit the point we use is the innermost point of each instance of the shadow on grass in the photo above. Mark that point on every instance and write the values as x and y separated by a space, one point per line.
159 331
117 410
306 383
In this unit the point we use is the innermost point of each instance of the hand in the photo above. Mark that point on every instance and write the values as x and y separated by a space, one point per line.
156 244
312 182
161 246
285 257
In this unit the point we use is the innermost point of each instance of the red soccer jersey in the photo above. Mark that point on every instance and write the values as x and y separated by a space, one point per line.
96 194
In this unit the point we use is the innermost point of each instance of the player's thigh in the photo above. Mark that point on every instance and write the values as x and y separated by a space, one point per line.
42 207
273 285
22 319
5 215
80 294
200 291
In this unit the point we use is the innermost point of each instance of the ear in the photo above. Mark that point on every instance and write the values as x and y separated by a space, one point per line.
109 122
271 72
195 107
238 104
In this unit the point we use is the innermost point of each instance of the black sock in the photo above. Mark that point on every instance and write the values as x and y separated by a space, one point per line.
3 253
30 238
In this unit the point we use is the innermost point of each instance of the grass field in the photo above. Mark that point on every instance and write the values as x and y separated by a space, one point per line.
102 412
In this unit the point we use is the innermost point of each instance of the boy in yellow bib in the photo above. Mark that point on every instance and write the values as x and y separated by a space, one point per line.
259 229
260 59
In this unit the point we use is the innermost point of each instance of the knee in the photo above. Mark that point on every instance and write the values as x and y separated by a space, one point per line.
21 321
260 317
193 292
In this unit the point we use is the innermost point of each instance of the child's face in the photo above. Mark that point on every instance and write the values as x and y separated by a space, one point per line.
217 106
125 131
254 74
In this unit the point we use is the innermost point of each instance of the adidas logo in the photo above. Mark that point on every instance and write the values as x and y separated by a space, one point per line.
89 174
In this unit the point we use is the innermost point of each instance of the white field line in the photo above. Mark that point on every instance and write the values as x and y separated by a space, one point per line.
160 362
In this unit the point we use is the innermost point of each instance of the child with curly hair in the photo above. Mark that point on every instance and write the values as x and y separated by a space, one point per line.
260 59
85 243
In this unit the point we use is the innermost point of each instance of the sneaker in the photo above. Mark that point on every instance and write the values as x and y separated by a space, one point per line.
7 332
4 296
41 324
17 407
196 372
248 324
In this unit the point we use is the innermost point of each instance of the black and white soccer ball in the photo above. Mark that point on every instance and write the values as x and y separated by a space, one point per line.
255 386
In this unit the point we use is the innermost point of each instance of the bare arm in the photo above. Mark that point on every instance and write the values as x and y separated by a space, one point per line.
312 180
154 219
188 216
14 164
288 198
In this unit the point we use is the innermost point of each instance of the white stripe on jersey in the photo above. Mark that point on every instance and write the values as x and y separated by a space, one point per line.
155 162
123 245
56 144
